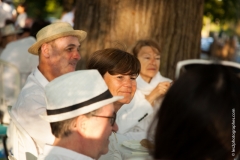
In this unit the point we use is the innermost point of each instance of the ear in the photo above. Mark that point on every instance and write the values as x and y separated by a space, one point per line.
45 50
81 122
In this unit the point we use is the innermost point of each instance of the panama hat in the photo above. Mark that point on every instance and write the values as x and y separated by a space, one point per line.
76 93
9 30
54 31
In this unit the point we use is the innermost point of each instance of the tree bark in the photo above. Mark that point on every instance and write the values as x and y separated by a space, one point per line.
176 25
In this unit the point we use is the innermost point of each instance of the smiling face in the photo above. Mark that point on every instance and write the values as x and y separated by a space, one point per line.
64 55
149 58
121 85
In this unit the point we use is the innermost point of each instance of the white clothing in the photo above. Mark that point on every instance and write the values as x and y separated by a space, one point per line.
59 153
113 150
68 17
30 104
17 54
137 116
5 12
129 114
21 20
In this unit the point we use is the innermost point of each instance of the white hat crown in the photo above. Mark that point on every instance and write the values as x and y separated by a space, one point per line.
76 93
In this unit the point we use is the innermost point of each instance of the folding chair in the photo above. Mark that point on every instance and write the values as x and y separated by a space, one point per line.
23 146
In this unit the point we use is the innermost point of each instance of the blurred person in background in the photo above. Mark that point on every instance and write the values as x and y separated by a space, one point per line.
199 117
5 13
12 10
69 17
22 15
8 34
16 53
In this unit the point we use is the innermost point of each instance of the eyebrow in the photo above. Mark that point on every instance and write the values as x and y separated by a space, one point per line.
73 45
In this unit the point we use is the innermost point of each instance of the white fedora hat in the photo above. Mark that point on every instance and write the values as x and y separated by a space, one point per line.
54 31
76 93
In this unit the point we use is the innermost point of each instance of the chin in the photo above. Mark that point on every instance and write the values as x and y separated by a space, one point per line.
125 100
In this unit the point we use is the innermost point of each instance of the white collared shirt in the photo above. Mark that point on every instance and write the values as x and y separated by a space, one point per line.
59 153
30 104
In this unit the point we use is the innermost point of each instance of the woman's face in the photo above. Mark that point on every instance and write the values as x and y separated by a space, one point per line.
121 85
150 62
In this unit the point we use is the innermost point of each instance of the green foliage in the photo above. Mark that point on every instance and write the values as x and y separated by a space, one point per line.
222 10
46 8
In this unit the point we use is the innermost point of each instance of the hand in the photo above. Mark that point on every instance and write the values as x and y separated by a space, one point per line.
159 91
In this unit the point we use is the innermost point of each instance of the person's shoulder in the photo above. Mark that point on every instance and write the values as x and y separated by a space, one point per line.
52 157
32 87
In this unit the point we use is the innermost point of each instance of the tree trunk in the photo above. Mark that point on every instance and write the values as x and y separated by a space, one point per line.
176 25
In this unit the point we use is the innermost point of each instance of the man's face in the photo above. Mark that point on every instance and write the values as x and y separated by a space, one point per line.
64 55
99 129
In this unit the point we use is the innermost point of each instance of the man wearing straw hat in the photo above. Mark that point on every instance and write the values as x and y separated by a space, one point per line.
81 115
58 49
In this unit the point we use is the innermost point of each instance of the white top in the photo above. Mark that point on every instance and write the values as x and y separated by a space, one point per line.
17 54
30 104
5 12
137 115
68 17
21 20
59 153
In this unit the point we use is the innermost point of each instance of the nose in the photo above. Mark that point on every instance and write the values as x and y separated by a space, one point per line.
115 127
77 55
153 61
128 82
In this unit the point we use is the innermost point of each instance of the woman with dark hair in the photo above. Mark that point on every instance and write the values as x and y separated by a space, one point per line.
202 122
135 118
119 69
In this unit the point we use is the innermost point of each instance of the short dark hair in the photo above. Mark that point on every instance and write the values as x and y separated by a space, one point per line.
62 128
142 43
114 61
196 116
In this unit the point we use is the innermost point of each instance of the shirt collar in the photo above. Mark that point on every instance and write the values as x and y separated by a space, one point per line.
40 77
48 149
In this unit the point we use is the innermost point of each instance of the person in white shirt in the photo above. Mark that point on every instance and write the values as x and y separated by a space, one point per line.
5 12
22 15
136 117
16 53
81 115
58 49
119 69
69 17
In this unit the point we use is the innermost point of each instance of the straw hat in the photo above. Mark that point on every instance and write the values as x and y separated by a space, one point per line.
54 31
9 30
76 93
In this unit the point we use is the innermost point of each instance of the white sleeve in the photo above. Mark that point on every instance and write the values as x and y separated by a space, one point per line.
130 114
27 112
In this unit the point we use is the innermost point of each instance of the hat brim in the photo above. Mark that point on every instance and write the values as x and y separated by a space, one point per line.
80 111
12 33
81 35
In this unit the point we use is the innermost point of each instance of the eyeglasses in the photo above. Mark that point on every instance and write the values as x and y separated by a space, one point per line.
112 119
182 66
